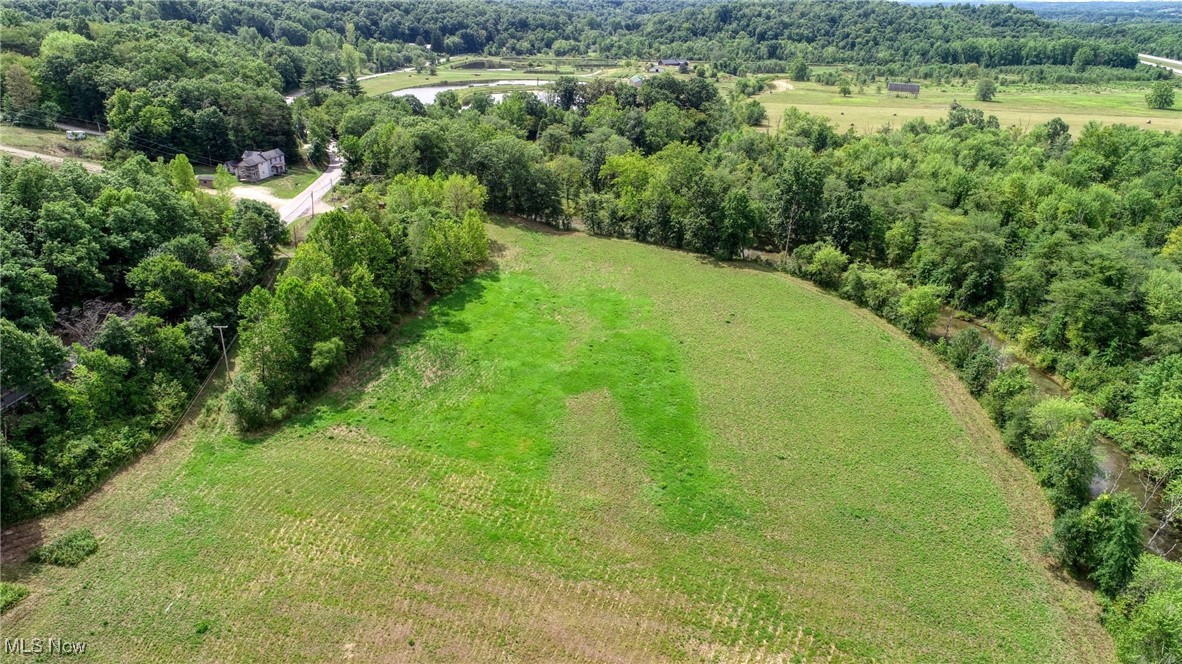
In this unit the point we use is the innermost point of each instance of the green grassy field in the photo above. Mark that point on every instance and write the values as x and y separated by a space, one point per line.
291 183
598 450
48 141
1015 105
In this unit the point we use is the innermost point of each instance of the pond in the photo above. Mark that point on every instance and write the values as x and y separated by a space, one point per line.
1114 473
427 93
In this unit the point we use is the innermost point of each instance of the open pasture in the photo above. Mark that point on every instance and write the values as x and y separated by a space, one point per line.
595 451
1017 105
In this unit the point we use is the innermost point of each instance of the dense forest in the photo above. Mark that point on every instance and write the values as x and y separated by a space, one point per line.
860 32
132 268
207 79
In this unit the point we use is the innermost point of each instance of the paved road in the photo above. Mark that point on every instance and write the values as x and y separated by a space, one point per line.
310 201
385 73
1165 63
27 154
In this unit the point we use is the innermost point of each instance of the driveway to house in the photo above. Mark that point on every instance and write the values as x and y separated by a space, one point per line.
310 200
260 194
27 154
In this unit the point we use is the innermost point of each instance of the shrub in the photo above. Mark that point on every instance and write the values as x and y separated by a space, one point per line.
975 360
10 594
919 308
1012 391
1146 619
1160 95
827 266
879 290
1102 540
1065 465
1051 415
986 89
248 401
961 346
67 550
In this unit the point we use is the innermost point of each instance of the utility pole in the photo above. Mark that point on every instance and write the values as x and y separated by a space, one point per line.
225 357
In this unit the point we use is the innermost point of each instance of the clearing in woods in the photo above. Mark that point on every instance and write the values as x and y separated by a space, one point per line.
598 450
1018 105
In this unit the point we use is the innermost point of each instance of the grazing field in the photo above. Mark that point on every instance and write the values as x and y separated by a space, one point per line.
1015 105
597 450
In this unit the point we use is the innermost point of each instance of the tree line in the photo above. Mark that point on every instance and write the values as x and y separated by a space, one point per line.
206 78
356 274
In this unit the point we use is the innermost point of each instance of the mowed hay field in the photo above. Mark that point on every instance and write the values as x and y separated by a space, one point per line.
597 451
1018 105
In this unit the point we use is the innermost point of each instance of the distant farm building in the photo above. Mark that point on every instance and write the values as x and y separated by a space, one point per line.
636 80
255 166
672 62
904 88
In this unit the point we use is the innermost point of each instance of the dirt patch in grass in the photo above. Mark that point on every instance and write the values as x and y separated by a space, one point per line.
597 472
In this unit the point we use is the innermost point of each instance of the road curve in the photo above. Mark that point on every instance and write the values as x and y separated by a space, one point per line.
311 199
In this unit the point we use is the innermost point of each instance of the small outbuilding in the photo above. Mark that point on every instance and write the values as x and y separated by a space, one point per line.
636 81
904 88
673 62
254 166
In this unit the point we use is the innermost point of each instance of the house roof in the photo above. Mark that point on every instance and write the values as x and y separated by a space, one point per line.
254 158
673 61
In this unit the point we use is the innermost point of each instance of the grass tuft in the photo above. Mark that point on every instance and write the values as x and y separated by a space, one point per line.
67 550
10 594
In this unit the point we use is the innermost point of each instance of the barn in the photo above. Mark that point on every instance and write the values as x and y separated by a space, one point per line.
904 88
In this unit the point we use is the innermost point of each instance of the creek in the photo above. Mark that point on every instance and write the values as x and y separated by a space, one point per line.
1114 473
